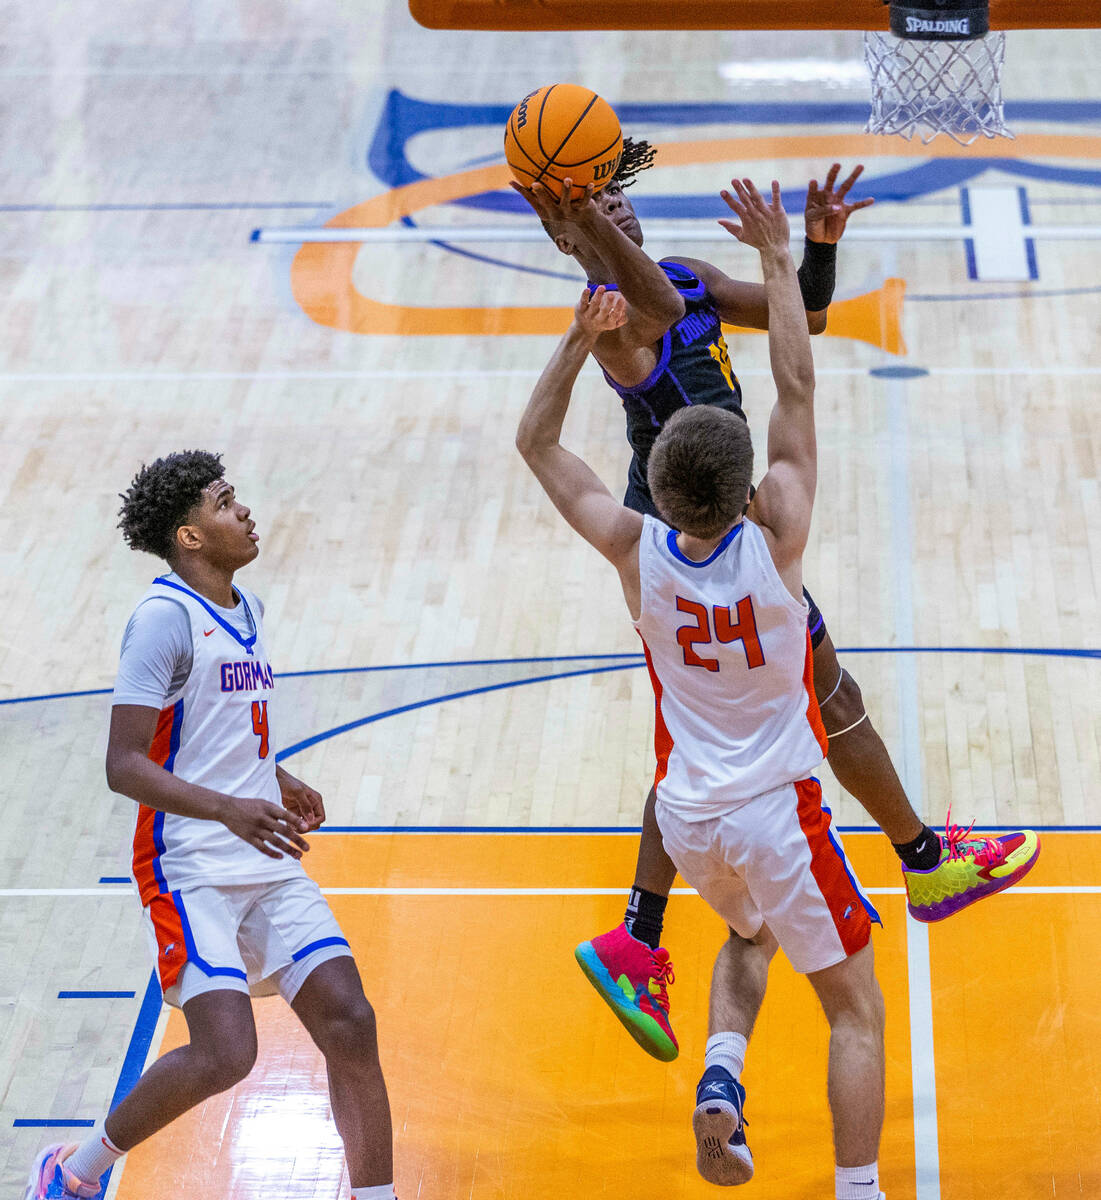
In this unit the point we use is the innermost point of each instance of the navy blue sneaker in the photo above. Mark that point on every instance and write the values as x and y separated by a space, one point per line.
722 1156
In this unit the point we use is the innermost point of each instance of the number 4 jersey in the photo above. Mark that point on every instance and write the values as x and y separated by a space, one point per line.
730 660
215 685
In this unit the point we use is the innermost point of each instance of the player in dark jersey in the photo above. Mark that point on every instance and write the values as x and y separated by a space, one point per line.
669 354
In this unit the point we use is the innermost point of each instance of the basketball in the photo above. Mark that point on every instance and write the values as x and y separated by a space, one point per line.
563 131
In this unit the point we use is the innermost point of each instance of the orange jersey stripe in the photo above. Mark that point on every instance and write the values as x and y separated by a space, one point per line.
146 850
663 740
850 917
171 945
814 716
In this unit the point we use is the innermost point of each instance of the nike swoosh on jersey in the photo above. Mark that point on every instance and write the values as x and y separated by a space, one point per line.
208 632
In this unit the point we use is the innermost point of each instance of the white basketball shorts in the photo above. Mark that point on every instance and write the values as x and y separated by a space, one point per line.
255 937
775 860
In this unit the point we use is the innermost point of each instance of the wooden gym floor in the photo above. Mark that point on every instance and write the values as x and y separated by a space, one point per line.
451 657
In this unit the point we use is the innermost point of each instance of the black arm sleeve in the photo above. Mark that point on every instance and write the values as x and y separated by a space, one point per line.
817 274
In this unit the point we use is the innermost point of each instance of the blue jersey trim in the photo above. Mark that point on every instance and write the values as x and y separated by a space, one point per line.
158 845
319 945
248 642
678 274
193 955
174 736
873 916
664 355
674 549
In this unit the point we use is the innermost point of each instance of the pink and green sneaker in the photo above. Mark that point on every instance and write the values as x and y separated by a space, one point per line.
632 980
970 869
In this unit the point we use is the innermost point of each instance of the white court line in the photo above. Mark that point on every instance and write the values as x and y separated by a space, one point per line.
509 234
919 970
488 373
74 893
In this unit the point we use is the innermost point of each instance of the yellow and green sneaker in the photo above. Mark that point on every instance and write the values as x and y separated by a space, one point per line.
970 868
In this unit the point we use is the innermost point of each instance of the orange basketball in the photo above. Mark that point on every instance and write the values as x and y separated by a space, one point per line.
563 131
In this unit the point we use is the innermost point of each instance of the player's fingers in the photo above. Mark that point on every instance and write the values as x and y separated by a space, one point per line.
831 175
567 194
852 177
754 195
257 840
860 204
733 202
776 194
282 846
731 227
812 187
282 824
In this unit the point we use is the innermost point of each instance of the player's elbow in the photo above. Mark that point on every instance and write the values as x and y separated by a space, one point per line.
118 769
671 310
816 321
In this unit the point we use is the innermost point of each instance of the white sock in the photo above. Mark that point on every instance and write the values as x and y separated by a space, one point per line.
858 1183
94 1155
726 1050
384 1191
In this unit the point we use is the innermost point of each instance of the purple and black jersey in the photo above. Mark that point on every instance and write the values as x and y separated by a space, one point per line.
693 367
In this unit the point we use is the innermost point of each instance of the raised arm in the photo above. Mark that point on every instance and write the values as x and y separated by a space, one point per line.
782 505
653 303
573 487
826 215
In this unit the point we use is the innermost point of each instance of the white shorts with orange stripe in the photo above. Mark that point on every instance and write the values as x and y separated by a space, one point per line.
258 938
775 860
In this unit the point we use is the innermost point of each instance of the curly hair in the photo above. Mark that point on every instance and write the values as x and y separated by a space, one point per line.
160 497
700 469
637 156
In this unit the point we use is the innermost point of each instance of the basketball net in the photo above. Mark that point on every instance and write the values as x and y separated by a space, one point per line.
926 81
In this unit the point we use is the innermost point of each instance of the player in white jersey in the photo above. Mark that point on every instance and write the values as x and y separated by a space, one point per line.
717 599
218 839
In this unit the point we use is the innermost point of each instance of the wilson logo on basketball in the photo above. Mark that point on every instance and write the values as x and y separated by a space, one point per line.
605 169
522 111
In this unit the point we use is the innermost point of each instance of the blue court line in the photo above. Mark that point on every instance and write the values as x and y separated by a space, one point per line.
636 660
96 995
228 206
409 223
58 696
306 743
50 1123
114 879
462 662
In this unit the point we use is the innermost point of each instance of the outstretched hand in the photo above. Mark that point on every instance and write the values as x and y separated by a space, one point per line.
764 224
827 212
548 207
599 311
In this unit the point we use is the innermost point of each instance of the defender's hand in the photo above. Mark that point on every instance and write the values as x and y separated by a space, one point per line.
764 224
568 208
301 800
827 212
271 829
599 311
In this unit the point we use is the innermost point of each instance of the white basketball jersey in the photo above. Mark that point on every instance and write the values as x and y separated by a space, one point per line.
730 660
214 732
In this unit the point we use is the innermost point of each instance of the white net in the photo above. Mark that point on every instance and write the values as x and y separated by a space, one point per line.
927 88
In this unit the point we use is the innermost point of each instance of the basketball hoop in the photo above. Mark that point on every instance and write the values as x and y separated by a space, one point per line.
939 70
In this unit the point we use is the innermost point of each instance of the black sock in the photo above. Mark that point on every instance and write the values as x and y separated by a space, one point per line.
645 912
923 853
